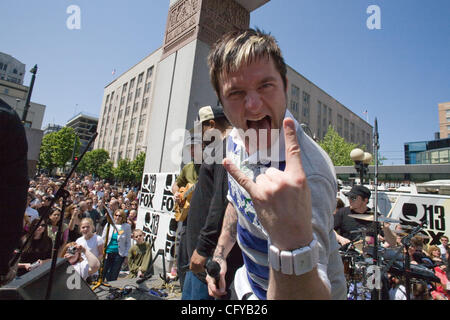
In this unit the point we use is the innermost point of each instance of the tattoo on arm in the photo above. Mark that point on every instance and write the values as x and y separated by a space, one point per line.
228 235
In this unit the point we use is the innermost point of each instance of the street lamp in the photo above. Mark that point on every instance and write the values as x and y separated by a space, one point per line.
27 103
362 160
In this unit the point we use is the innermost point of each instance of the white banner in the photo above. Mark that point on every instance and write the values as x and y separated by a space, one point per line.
156 205
412 209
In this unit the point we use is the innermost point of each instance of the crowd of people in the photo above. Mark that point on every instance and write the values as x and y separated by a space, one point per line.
95 215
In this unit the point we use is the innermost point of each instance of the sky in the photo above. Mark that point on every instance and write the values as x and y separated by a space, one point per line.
398 73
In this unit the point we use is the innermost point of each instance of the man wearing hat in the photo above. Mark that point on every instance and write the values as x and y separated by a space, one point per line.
208 205
344 224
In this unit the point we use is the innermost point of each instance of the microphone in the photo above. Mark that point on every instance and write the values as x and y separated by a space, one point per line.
213 270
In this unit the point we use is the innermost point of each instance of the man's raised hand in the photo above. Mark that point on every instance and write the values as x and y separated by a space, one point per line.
282 199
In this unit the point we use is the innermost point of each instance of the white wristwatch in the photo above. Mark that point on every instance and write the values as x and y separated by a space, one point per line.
298 261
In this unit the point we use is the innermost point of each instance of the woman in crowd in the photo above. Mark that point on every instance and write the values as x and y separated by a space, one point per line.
38 250
74 254
90 240
52 227
73 216
435 254
119 242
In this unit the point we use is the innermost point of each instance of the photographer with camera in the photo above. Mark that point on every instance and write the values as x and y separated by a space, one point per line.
73 253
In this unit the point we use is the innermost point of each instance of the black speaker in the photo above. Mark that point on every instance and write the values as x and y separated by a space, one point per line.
67 284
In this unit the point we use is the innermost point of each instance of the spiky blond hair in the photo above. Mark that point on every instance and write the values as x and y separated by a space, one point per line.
242 47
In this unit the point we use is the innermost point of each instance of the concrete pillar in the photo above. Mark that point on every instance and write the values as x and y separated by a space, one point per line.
182 83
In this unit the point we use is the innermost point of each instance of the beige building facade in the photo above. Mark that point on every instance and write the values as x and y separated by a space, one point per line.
123 123
16 95
318 110
444 119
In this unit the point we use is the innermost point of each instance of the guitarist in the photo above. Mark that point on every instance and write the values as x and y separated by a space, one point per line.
207 206
188 175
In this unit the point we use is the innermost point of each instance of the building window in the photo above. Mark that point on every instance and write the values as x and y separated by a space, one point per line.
294 106
132 83
306 98
140 77
131 138
346 129
352 132
319 120
149 73
324 119
142 119
295 92
339 124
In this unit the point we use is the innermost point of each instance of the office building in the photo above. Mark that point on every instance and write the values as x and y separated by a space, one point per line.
84 126
11 69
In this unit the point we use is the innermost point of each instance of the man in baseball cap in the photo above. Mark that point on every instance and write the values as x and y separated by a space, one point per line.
358 190
209 113
344 222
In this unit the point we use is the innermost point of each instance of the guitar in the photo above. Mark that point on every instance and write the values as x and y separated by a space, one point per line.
182 205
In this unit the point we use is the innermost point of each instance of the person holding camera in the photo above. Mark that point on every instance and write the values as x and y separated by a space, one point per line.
73 252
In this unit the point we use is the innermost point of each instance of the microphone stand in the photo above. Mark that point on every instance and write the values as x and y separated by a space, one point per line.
376 294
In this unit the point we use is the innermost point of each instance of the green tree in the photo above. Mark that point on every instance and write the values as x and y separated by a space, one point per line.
64 146
106 170
57 148
137 167
92 161
45 154
123 172
337 148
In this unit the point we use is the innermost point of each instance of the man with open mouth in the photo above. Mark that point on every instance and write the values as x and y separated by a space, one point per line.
282 185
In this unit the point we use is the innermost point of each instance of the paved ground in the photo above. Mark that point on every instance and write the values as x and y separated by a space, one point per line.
140 291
